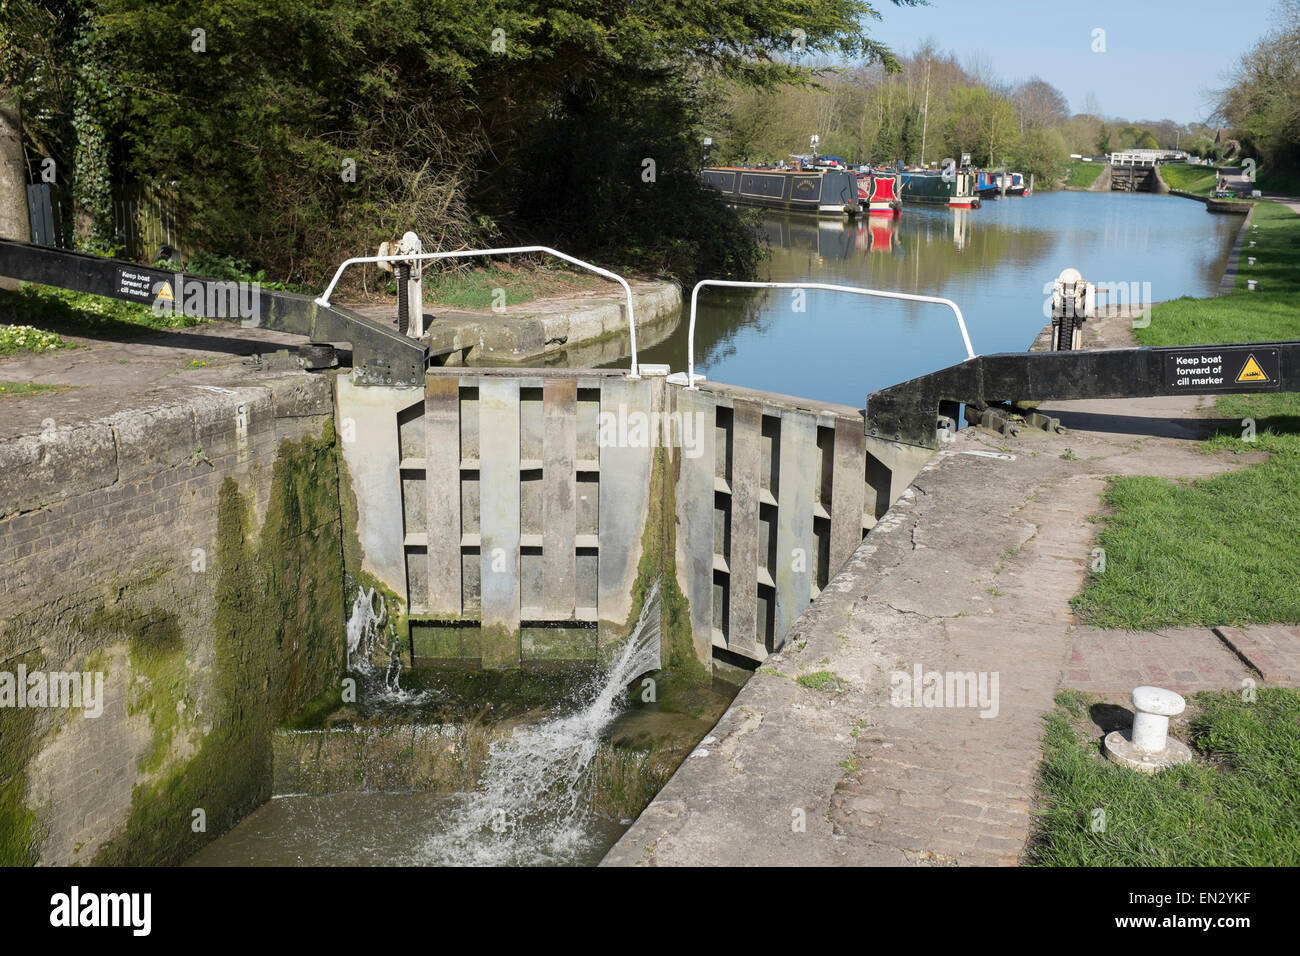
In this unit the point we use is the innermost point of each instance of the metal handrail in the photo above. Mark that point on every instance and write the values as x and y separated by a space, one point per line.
324 300
690 335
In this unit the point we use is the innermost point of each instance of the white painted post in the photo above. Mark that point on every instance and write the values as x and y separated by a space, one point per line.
1148 747
1154 706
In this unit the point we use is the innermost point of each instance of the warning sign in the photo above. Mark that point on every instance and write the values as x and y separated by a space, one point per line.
165 292
136 284
1221 370
1251 372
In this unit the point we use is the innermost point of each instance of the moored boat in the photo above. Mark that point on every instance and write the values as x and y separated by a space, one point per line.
1013 184
951 188
880 193
831 192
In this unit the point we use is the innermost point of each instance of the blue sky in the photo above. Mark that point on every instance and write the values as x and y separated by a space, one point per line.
1161 55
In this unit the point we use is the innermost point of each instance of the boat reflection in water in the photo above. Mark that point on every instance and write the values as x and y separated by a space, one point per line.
879 234
993 262
833 240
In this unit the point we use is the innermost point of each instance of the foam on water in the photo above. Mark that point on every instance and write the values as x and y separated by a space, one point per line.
532 805
370 636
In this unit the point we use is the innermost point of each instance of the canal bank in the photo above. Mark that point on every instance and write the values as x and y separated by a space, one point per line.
902 723
581 330
839 751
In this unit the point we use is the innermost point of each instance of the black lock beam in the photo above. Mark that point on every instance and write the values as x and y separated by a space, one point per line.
380 355
908 412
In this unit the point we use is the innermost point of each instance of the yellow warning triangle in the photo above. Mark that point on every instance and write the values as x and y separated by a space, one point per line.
166 293
1251 372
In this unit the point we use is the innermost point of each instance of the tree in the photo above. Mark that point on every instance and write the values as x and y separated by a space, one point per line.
982 123
301 131
1262 101
14 66
13 171
1041 152
1103 140
1039 104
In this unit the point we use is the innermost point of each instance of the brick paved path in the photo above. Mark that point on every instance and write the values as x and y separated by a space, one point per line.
971 573
1187 660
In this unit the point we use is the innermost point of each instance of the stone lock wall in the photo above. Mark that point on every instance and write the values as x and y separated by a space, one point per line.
190 552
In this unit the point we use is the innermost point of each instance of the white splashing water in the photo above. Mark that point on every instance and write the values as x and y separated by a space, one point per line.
532 805
370 636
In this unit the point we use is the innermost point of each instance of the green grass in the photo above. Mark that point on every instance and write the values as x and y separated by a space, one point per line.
1221 550
1259 316
1081 175
827 681
1236 804
1190 179
477 288
78 313
26 338
1288 184
22 389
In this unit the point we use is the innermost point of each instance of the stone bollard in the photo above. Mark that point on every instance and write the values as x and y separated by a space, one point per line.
1250 260
1250 284
1148 747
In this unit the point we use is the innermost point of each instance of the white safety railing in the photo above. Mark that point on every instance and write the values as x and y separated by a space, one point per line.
855 290
324 300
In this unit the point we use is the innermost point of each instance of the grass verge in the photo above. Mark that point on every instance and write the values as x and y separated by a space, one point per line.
22 389
506 284
1081 175
62 312
1221 550
1236 804
26 338
1198 180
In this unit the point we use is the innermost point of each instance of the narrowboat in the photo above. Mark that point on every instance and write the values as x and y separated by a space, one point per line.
986 184
954 189
879 193
1013 184
818 192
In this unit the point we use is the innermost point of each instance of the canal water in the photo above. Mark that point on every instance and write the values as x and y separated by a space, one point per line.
993 262
559 783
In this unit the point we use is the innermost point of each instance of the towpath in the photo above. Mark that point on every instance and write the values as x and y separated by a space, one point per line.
827 757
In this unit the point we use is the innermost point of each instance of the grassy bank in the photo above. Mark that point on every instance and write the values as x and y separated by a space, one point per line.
1236 804
1081 175
1274 181
508 284
35 317
1221 550
1199 180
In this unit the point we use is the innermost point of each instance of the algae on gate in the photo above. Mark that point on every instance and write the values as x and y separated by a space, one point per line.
678 659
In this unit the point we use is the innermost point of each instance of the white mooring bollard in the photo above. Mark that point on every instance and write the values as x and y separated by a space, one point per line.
1148 747
1250 284
1250 260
